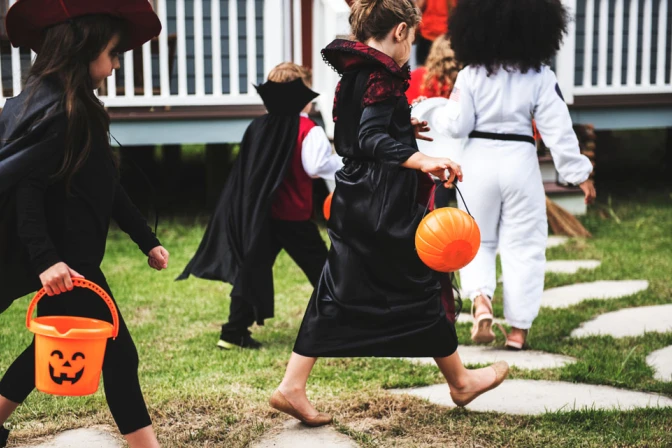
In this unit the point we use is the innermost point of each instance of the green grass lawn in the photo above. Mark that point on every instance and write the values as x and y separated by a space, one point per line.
200 396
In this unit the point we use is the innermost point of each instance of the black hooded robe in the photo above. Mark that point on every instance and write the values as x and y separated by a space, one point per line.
375 296
238 234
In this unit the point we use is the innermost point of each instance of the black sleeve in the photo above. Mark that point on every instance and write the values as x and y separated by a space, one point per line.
374 138
31 218
131 221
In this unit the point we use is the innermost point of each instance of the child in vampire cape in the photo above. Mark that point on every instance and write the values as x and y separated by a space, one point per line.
375 297
267 205
59 186
507 83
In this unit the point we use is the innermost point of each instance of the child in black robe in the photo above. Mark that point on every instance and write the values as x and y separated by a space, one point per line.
375 297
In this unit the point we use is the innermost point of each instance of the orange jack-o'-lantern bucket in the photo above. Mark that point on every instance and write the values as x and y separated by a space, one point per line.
69 351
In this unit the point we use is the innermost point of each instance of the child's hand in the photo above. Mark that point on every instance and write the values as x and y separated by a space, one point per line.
58 279
588 191
158 258
438 166
420 126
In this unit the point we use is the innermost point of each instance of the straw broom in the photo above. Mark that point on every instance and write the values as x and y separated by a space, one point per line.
564 223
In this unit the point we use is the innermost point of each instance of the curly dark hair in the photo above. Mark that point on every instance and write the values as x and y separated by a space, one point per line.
513 34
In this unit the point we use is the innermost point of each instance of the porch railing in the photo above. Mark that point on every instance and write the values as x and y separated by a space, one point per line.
212 51
616 47
209 53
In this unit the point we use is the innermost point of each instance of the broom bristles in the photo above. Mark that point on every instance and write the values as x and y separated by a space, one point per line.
564 223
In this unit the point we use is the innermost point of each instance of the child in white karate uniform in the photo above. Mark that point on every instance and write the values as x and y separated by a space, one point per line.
505 86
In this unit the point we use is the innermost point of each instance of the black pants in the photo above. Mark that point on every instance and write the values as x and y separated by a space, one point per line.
120 366
303 242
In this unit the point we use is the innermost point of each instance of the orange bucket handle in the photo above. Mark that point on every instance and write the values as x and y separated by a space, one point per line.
81 283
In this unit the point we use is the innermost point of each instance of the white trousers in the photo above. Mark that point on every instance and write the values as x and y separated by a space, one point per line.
503 190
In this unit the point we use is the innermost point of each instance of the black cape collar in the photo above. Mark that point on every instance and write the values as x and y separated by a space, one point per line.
285 98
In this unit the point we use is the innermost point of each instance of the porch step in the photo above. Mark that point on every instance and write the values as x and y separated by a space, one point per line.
569 198
548 173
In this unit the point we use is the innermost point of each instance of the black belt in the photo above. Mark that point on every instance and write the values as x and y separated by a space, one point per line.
505 137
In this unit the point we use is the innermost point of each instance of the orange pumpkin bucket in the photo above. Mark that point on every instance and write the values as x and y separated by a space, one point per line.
69 351
447 239
326 208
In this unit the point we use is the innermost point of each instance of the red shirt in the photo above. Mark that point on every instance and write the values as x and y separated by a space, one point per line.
294 197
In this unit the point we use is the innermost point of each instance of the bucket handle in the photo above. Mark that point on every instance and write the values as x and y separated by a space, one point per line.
81 283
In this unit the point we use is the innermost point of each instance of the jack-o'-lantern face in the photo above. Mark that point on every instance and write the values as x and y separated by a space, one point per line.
62 369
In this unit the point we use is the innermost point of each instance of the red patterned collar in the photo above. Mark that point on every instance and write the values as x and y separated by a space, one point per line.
345 55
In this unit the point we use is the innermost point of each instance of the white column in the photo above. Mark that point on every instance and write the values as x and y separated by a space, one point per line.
112 85
566 58
129 82
181 49
588 47
199 54
632 43
662 43
215 21
647 31
618 44
296 33
273 35
147 69
603 45
234 60
287 30
251 25
164 72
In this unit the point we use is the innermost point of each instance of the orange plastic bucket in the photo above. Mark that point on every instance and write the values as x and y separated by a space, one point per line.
69 351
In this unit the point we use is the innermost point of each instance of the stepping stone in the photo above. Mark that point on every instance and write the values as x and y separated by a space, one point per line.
529 397
570 266
555 240
661 362
294 434
567 266
566 296
97 437
524 359
628 322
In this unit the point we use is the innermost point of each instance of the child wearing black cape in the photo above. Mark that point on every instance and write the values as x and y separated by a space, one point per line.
267 204
59 186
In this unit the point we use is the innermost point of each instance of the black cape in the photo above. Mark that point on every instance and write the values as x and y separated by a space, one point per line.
238 233
29 126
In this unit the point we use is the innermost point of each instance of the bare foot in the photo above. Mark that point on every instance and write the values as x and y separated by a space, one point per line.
476 380
479 381
298 399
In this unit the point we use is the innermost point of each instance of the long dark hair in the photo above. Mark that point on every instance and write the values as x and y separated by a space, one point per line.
66 52
515 34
